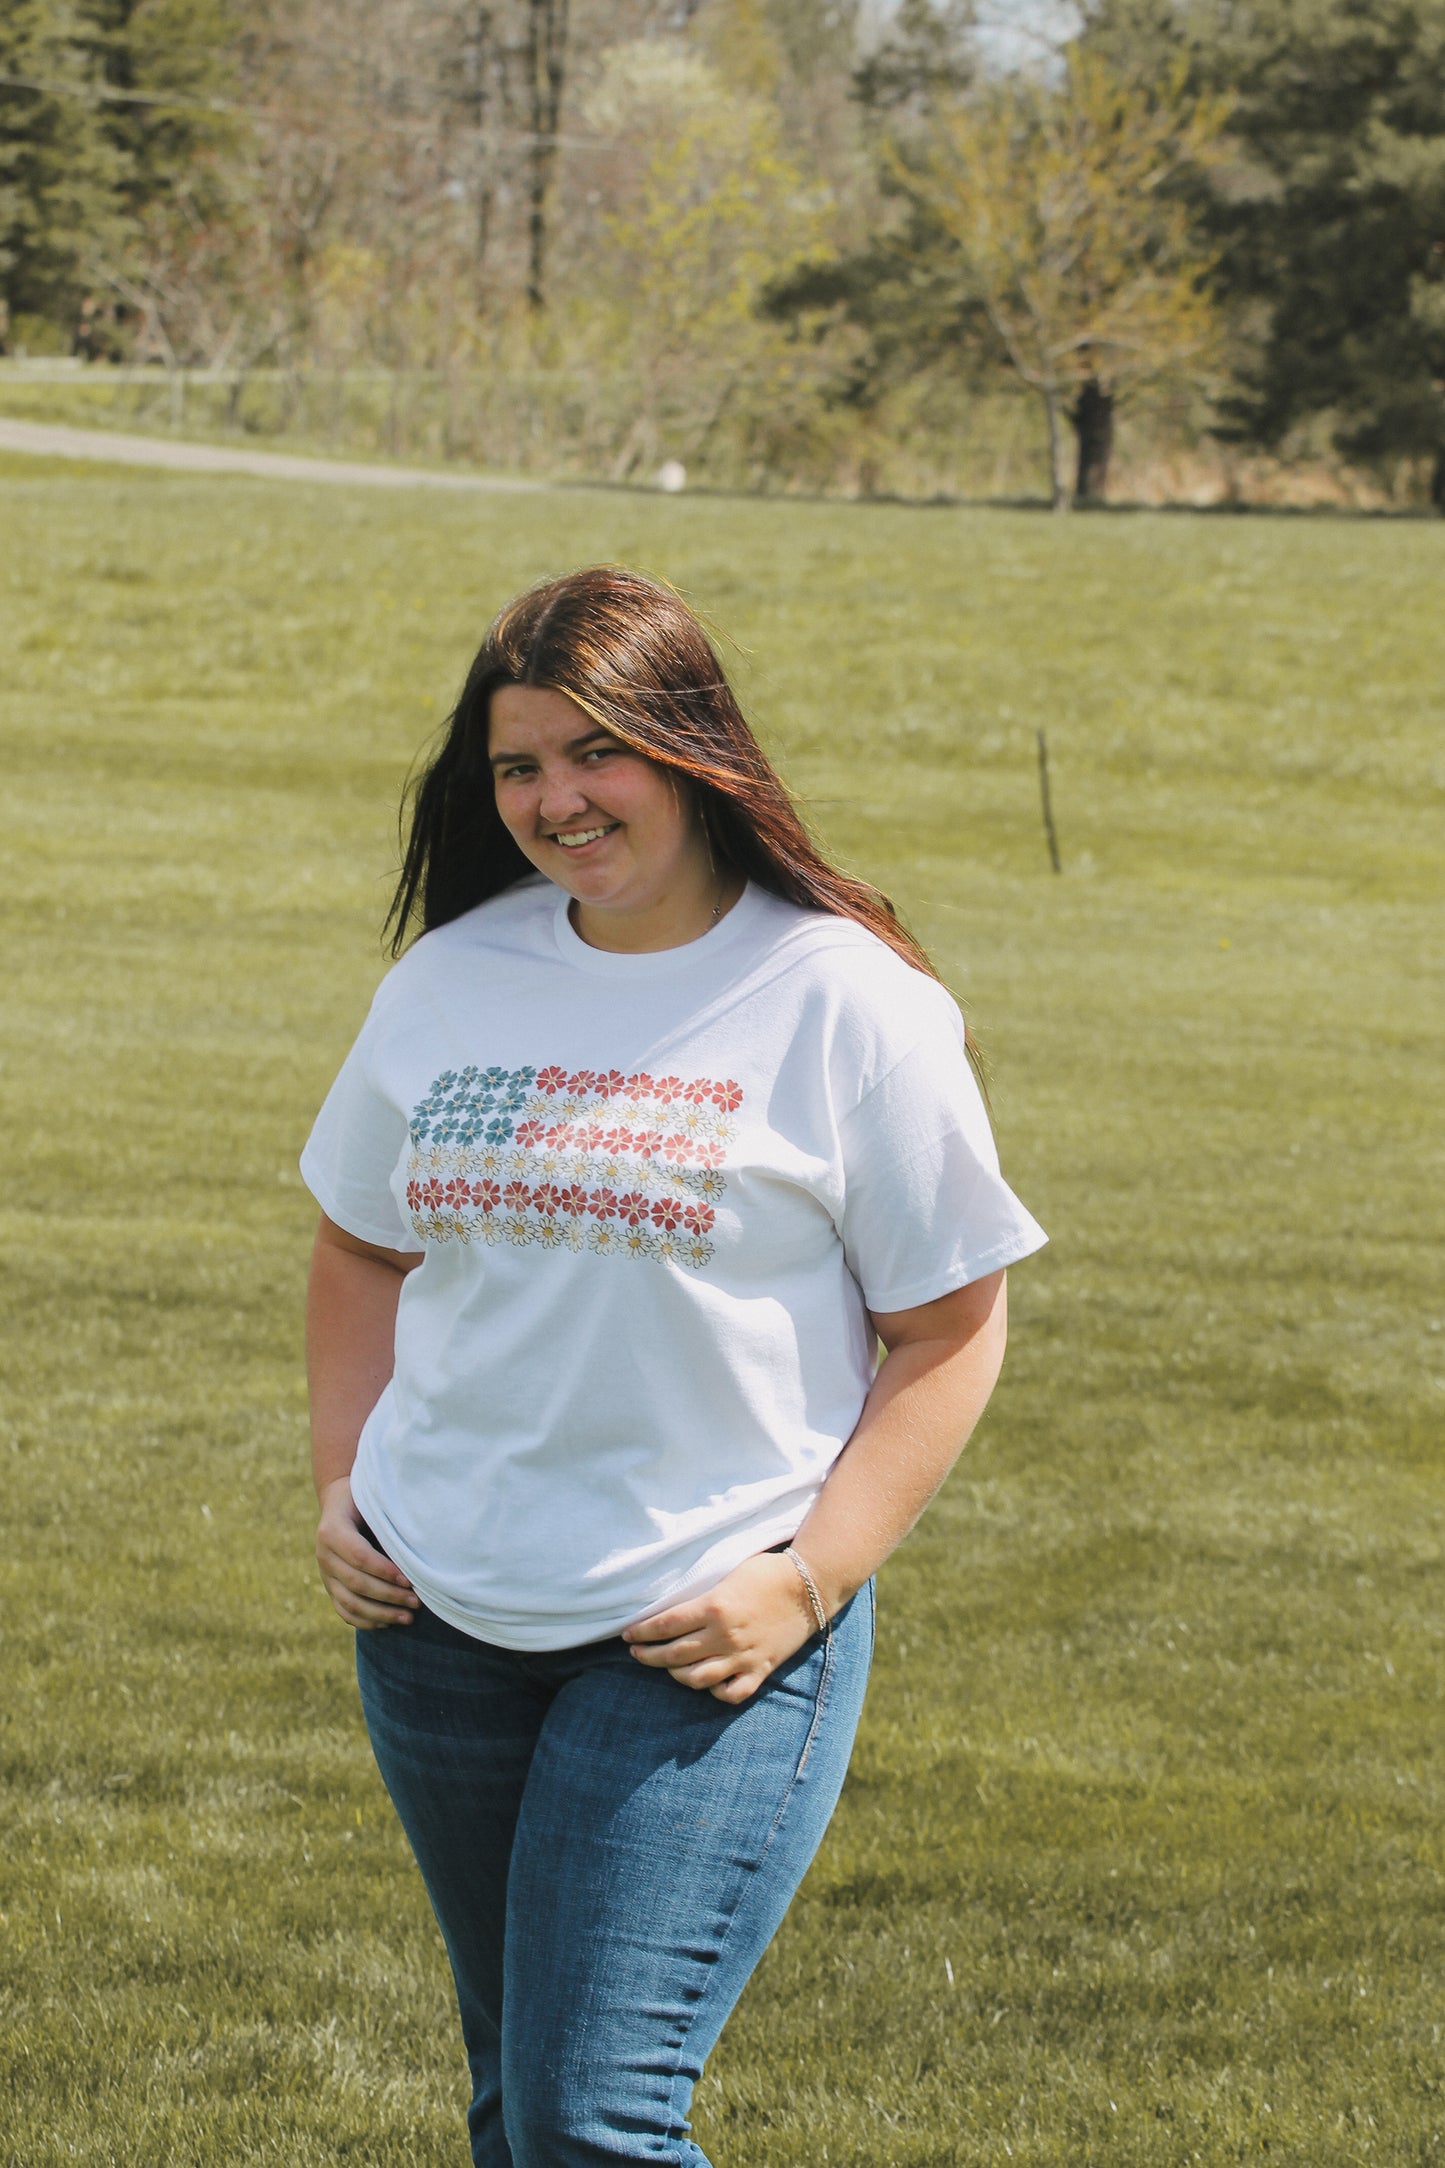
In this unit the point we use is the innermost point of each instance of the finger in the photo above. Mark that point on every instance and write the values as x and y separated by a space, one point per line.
740 1687
687 1618
707 1675
370 1589
350 1564
667 1655
361 1611
349 1545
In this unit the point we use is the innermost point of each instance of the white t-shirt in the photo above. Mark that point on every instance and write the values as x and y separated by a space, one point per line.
655 1193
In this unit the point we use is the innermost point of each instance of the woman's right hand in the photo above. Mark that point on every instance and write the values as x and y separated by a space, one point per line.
363 1584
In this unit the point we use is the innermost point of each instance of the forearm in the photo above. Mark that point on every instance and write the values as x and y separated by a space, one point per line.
924 1402
350 1343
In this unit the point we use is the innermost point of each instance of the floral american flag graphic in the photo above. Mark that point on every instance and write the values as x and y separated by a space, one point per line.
619 1164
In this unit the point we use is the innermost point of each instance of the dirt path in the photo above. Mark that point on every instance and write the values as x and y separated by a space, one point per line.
58 442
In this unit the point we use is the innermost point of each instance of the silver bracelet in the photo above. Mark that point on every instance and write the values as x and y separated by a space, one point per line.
812 1587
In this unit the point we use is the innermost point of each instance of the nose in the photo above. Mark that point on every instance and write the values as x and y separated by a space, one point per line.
561 797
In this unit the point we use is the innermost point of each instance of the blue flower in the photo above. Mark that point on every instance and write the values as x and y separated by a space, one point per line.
494 1079
499 1129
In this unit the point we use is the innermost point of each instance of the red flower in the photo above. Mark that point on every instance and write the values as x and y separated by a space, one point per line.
639 1086
677 1148
615 1140
644 1144
667 1088
581 1080
413 1194
698 1218
698 1091
516 1196
573 1200
632 1207
561 1133
544 1197
587 1135
603 1204
611 1085
431 1193
487 1194
551 1080
458 1193
666 1213
529 1132
728 1096
708 1155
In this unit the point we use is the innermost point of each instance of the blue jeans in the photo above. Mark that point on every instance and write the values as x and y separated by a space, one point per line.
608 1854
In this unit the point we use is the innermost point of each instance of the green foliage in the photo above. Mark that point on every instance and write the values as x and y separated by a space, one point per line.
1333 211
98 171
1064 202
713 210
923 54
61 172
1343 108
1140 1861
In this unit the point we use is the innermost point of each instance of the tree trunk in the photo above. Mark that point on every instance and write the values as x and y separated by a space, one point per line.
546 72
1092 415
479 53
1058 469
1437 481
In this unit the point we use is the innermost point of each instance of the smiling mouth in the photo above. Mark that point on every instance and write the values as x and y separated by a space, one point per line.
576 837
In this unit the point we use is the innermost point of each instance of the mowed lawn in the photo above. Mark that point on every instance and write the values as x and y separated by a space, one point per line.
1140 1859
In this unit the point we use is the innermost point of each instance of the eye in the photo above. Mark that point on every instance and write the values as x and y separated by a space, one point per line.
599 752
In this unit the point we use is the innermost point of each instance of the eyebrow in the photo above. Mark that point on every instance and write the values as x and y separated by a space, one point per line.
573 745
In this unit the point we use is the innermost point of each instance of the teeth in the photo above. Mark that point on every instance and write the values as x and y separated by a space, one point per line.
580 836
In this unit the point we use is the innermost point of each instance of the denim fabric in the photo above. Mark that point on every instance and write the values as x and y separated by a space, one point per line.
608 1854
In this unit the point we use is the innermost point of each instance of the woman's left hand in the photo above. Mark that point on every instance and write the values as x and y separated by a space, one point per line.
728 1641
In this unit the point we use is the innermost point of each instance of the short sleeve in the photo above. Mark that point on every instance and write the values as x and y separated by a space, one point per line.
355 1149
925 1208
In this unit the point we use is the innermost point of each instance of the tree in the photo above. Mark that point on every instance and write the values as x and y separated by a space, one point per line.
710 211
1064 201
546 79
61 207
1340 241
1329 216
112 122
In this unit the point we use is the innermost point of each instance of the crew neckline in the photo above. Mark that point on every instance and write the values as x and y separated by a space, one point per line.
653 963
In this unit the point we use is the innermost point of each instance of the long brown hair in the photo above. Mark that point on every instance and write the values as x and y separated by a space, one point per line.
632 655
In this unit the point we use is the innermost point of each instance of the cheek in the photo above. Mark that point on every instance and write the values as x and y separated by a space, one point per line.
659 809
514 813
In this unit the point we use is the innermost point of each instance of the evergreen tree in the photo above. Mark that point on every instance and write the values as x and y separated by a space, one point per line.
111 120
61 172
1332 220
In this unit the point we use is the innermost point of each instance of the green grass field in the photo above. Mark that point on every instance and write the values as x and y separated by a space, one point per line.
1140 1860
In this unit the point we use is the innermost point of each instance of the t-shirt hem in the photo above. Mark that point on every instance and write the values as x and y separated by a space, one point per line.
558 1631
350 1222
962 1273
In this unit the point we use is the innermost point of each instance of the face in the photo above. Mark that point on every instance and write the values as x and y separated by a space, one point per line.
610 826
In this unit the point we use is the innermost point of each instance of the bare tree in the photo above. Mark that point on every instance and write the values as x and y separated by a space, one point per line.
546 76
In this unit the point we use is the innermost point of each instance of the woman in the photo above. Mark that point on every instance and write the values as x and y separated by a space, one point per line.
656 1132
